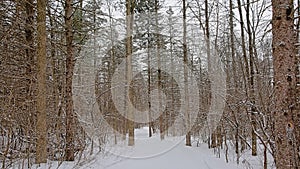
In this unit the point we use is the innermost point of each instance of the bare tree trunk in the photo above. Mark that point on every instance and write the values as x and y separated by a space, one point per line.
245 65
284 53
149 79
265 157
129 29
218 131
95 63
30 69
157 52
29 30
112 61
234 69
246 72
170 12
251 80
213 140
186 81
41 125
55 69
70 63
207 33
297 61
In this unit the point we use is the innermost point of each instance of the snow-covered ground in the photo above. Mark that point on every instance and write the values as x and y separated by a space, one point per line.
151 153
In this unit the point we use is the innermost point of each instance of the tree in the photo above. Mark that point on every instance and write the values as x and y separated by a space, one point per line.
186 90
129 28
41 125
147 22
251 81
158 55
232 48
244 64
284 57
70 63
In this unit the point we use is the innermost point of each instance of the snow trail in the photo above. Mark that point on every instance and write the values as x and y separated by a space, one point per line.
152 153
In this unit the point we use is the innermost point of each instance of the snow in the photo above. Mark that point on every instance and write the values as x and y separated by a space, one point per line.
179 157
150 153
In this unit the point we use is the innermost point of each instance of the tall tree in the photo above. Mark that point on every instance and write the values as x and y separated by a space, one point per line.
151 123
129 30
232 47
186 81
211 143
41 125
170 13
243 64
70 63
284 53
251 81
246 64
158 55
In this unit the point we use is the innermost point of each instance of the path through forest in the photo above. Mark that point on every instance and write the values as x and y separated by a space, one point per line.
154 154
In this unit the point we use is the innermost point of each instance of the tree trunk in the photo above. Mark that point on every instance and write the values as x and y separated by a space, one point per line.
157 52
251 80
186 91
30 68
129 30
70 63
170 12
245 64
246 72
284 53
236 86
298 85
41 125
149 79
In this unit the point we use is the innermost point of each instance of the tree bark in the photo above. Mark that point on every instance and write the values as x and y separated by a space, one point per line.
246 72
284 53
234 72
251 80
70 63
129 30
41 125
245 64
186 91
150 123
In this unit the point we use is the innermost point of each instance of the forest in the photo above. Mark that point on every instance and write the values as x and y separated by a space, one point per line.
79 78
